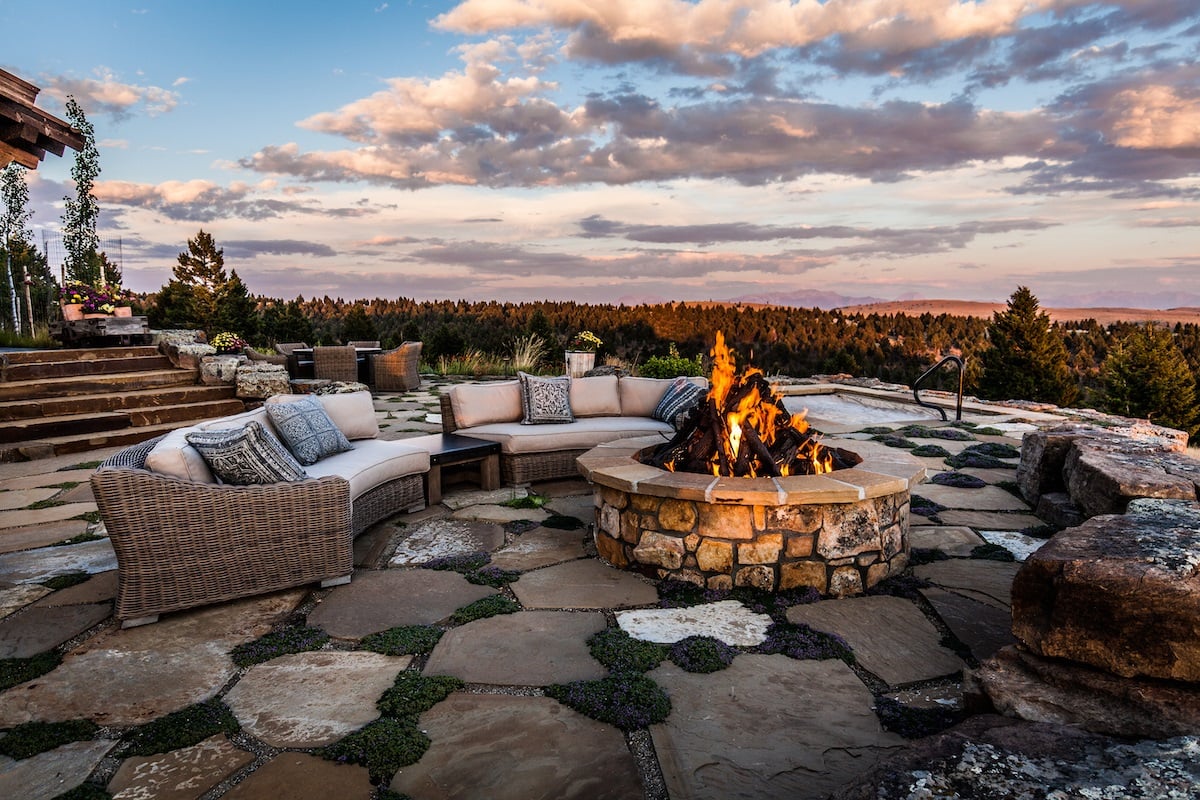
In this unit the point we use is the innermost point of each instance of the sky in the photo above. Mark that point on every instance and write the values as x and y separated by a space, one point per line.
609 151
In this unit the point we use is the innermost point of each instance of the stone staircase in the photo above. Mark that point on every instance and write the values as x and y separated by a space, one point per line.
55 402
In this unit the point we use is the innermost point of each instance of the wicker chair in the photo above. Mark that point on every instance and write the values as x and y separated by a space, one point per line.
364 344
335 363
397 370
287 349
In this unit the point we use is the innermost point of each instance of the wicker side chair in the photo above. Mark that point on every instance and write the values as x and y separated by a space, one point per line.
293 361
335 363
397 370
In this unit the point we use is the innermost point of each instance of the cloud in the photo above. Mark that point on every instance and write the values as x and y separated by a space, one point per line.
106 94
204 201
253 248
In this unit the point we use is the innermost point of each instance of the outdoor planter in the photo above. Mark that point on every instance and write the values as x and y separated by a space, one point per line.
579 362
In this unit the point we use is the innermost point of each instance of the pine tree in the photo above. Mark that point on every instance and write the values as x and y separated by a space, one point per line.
1146 376
82 211
195 294
1026 358
236 310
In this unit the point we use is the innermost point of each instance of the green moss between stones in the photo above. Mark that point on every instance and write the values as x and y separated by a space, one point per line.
50 503
995 449
489 606
894 440
925 432
414 693
532 501
988 431
973 458
277 643
78 539
620 652
403 641
382 746
67 580
492 576
930 451
82 465
182 728
84 791
627 700
30 738
19 670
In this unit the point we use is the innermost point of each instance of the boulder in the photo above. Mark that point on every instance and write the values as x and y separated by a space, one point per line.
1120 592
259 380
217 370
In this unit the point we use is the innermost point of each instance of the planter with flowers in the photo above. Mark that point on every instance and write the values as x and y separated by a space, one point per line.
83 301
228 343
581 353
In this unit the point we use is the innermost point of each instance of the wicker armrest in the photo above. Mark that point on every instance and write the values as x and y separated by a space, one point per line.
181 544
449 424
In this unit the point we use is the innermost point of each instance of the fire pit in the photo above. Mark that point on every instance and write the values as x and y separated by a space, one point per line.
771 507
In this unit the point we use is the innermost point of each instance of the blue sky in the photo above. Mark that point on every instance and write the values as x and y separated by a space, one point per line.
629 150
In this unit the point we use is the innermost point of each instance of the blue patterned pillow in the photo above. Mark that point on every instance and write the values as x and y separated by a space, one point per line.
545 399
305 427
244 456
681 397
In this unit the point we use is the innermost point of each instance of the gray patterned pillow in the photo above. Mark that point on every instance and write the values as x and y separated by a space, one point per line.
545 399
305 427
680 398
244 456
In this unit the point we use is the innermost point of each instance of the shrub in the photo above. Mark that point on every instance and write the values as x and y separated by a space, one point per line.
671 365
620 652
627 700
278 643
182 728
402 641
30 738
702 654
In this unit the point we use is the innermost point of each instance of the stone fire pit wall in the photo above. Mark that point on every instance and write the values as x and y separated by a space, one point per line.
839 533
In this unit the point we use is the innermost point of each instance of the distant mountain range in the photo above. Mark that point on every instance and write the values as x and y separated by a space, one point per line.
805 298
968 308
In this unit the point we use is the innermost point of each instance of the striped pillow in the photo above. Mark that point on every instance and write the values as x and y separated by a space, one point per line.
680 398
244 456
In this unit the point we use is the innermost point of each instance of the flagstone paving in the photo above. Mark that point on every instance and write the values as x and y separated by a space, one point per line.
767 726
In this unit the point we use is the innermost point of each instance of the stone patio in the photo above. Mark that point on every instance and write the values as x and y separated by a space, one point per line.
768 726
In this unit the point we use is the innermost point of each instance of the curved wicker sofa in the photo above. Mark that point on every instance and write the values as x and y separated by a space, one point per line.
183 541
606 409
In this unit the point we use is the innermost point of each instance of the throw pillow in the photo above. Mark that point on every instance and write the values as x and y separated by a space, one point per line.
246 455
545 400
677 403
307 430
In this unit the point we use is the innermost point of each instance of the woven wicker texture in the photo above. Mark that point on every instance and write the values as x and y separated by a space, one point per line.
397 370
335 363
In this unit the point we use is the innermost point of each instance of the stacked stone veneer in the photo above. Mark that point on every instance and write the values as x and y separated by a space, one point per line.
839 533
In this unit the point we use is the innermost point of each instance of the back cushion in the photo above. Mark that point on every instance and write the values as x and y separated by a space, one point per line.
640 396
484 403
353 412
595 397
174 456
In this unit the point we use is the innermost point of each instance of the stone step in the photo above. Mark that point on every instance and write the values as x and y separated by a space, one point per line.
80 443
41 428
86 367
94 384
15 357
115 401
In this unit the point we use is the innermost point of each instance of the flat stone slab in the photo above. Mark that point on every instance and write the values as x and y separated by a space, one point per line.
129 677
465 498
34 566
529 648
377 600
981 627
312 699
40 629
180 774
985 498
987 581
40 535
990 520
766 727
55 479
582 584
1020 545
498 514
549 752
953 540
299 776
992 475
438 538
33 516
54 772
538 548
729 621
14 598
889 636
582 507
100 588
20 498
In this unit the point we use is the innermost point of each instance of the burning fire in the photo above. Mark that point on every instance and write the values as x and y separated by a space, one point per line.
742 428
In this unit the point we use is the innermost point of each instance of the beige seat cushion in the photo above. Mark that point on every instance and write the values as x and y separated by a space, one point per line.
485 403
595 396
517 439
353 412
174 456
372 462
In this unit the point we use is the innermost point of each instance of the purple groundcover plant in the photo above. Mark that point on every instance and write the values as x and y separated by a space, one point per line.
459 562
492 576
627 700
278 643
803 643
959 480
702 654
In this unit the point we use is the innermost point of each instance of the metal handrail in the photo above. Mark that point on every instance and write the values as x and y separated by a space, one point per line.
916 387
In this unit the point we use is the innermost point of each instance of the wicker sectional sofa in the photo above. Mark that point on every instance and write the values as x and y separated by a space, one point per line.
183 540
605 408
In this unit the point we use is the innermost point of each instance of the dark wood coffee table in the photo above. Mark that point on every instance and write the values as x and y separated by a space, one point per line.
455 450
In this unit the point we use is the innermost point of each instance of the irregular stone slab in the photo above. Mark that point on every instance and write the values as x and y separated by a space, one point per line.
34 566
99 588
1020 545
312 699
54 772
987 581
1101 481
377 600
465 498
78 494
41 479
981 627
888 635
129 677
991 520
178 775
28 537
498 514
438 538
992 475
565 487
950 539
20 498
766 727
549 752
17 597
529 648
1020 684
729 621
582 507
540 547
582 584
41 629
1120 592
299 776
985 498
33 516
